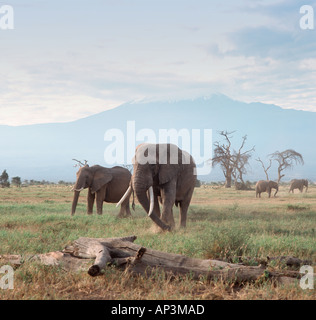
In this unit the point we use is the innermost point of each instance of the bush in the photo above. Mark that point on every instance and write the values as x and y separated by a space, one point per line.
4 179
16 181
243 186
226 244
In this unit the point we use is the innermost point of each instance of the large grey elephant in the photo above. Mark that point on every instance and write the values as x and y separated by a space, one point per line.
105 184
266 186
163 172
298 184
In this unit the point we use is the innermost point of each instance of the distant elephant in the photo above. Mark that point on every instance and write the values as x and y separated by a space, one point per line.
105 184
163 172
266 186
298 184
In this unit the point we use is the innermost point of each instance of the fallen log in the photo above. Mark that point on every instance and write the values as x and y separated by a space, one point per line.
126 255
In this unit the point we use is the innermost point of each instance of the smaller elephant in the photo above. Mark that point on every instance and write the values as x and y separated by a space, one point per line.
105 184
266 186
298 184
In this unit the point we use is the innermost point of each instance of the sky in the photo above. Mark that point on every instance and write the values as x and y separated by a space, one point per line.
66 60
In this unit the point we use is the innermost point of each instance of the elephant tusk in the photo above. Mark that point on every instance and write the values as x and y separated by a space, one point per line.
124 196
78 190
151 198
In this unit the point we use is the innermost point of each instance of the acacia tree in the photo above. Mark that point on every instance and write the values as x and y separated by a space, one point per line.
233 163
286 159
265 169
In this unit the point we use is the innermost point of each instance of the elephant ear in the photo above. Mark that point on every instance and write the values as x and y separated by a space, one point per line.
170 159
167 172
101 177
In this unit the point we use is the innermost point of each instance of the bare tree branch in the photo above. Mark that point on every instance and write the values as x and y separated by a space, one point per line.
80 164
264 168
286 159
233 163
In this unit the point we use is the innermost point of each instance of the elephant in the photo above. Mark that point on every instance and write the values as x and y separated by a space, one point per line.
266 186
105 184
298 184
163 173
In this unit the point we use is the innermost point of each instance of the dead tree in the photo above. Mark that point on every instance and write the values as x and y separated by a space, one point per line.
240 162
285 160
80 164
233 163
136 259
264 168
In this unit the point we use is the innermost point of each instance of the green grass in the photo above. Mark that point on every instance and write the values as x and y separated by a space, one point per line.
222 224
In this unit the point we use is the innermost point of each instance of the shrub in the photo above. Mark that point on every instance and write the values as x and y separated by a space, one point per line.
226 244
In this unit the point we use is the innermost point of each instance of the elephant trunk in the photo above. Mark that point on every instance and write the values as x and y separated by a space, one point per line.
74 202
79 186
141 194
140 185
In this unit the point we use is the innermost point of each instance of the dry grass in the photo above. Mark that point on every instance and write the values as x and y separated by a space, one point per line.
39 282
221 224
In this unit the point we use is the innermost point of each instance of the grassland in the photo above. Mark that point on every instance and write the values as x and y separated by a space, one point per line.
222 224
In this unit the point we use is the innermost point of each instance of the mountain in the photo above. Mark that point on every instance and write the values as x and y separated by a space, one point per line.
45 151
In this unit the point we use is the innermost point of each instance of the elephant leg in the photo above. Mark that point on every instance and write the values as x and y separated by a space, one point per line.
168 196
269 193
90 201
184 205
124 210
183 208
127 210
157 199
100 196
167 214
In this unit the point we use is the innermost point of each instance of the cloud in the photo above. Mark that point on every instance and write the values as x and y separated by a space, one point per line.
98 56
277 44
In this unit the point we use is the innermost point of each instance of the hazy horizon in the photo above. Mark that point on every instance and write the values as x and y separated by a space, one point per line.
150 99
45 151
